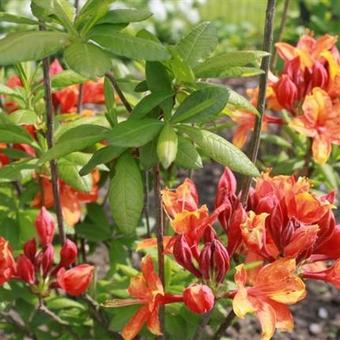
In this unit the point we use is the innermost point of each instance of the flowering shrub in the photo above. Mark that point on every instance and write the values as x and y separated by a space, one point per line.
81 144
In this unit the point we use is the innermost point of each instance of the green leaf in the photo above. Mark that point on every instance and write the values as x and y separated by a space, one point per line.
187 156
69 173
126 45
16 19
66 78
240 71
101 156
126 195
87 59
198 44
13 170
182 72
148 155
148 103
75 139
63 302
157 77
124 16
217 66
14 134
221 151
331 175
134 133
22 117
167 146
18 47
236 101
94 232
201 105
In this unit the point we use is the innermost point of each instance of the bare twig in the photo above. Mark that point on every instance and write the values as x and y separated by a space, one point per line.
80 98
261 100
160 233
280 32
76 5
49 137
147 204
17 324
225 325
115 85
42 308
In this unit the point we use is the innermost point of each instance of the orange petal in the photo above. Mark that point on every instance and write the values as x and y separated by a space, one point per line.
151 278
152 243
135 324
138 287
279 282
240 136
70 205
267 318
242 305
303 239
120 303
153 323
240 276
321 149
285 51
283 316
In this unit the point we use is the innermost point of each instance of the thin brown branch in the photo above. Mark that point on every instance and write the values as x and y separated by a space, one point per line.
17 324
261 100
121 95
49 137
80 98
42 308
225 325
160 233
280 32
147 204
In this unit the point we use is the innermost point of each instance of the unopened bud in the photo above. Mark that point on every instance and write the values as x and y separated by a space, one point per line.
25 269
199 298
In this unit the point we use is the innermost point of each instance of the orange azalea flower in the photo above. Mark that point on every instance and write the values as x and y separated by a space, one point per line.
321 121
146 290
7 263
308 49
184 197
275 287
71 199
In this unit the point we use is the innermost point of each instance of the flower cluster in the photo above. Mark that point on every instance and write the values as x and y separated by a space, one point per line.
286 230
308 89
36 266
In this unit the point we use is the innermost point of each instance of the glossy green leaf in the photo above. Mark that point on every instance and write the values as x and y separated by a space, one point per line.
126 194
13 171
16 19
124 16
218 65
87 59
167 146
134 132
61 302
236 101
241 71
101 156
148 103
75 139
148 155
182 72
22 117
126 45
14 134
198 44
202 105
66 78
221 151
25 46
187 156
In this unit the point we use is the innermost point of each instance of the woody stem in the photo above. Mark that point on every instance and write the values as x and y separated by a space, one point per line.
261 100
225 325
49 137
159 232
120 94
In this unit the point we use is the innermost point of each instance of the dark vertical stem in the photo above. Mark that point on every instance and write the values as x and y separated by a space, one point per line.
147 204
261 100
160 233
280 32
80 98
225 325
76 6
115 85
49 137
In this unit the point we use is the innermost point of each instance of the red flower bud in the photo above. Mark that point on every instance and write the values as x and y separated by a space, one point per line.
286 92
209 234
25 269
7 263
319 76
214 261
183 255
75 281
47 259
68 253
45 227
226 186
199 298
30 249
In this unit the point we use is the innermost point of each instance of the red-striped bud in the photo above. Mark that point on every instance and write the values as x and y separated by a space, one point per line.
45 227
25 269
30 249
183 255
199 298
68 253
47 259
286 92
319 76
214 261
